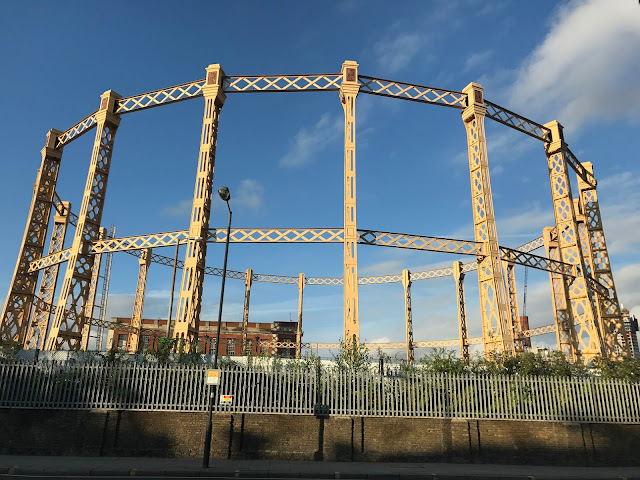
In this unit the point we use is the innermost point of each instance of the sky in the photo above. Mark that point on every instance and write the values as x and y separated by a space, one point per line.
281 155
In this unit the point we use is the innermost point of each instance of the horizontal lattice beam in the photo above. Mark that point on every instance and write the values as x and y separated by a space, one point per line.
517 122
577 167
160 97
534 261
419 242
416 93
79 129
282 83
279 235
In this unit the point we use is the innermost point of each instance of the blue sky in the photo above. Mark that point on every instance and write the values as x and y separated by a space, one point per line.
281 154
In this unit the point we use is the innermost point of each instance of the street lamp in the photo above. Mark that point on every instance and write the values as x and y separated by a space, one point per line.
226 196
173 280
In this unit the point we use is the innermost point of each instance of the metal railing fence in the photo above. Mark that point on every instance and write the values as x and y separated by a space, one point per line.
299 391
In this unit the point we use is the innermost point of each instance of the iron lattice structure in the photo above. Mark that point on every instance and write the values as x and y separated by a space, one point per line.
587 313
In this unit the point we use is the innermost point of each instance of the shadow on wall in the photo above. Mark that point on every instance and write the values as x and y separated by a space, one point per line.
305 437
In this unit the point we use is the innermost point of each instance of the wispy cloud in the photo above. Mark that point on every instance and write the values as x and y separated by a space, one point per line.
249 194
477 59
586 68
398 48
182 209
311 140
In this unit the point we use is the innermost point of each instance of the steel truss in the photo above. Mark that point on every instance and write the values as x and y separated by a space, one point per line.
580 263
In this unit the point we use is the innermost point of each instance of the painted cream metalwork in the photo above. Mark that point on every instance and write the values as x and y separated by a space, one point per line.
348 93
598 257
496 325
514 311
408 319
89 305
14 322
190 300
577 259
517 122
75 132
565 331
588 332
105 293
42 309
133 339
70 319
415 93
283 83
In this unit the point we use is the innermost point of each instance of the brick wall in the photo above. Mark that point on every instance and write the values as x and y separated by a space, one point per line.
181 434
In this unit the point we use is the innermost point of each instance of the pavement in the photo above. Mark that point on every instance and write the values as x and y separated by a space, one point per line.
27 466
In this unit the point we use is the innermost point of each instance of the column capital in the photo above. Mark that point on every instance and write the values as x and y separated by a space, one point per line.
214 84
557 137
350 84
406 278
108 102
475 102
50 150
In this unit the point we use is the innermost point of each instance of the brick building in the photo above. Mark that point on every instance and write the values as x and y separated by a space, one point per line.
230 336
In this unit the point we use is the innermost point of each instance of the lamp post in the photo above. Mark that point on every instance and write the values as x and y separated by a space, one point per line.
173 281
226 196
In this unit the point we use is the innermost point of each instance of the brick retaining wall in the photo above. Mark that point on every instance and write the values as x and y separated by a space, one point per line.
180 434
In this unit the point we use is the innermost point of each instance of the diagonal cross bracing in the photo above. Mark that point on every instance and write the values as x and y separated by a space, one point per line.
517 122
416 93
282 83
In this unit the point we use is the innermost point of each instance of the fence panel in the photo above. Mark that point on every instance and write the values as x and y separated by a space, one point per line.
136 386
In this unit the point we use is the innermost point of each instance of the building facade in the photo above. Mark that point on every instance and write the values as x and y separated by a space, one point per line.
260 337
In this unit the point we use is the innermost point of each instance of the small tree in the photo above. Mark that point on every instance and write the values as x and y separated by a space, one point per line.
352 356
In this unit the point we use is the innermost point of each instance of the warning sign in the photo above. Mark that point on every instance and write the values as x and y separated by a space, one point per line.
226 399
213 377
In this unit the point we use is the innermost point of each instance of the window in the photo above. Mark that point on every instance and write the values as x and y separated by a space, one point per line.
249 349
212 345
231 346
122 340
264 347
144 341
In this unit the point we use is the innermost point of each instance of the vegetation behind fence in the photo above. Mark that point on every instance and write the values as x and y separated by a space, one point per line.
309 390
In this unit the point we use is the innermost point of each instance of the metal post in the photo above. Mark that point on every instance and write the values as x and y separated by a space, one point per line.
173 284
207 438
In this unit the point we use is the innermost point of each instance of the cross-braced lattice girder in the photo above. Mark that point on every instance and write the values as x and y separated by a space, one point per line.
496 321
408 317
43 308
133 339
91 296
588 333
17 308
71 315
458 276
190 300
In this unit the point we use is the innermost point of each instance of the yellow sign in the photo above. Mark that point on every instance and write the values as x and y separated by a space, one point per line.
213 377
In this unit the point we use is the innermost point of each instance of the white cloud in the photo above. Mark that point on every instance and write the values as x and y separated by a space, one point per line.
531 220
249 194
397 49
182 209
309 141
477 59
587 66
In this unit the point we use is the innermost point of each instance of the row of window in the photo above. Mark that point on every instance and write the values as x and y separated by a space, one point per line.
231 344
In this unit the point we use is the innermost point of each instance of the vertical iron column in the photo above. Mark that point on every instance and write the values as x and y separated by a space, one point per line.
133 339
588 332
496 320
248 281
565 331
514 311
348 93
301 284
190 301
458 276
408 319
105 292
44 306
91 298
610 312
70 313
17 308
